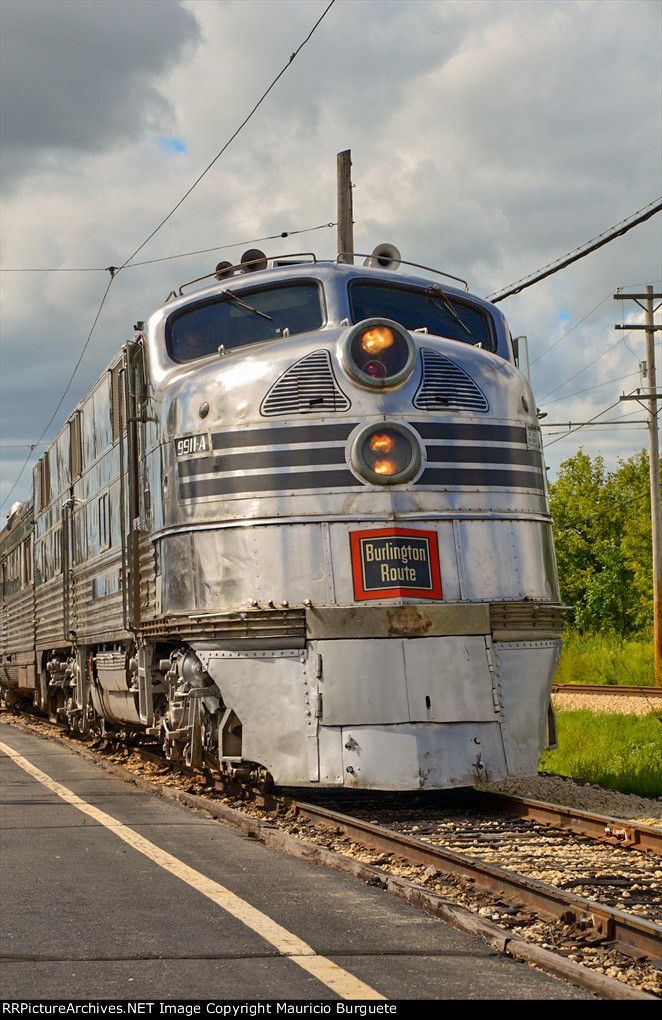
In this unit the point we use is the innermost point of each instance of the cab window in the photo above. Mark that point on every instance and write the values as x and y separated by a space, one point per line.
417 308
237 318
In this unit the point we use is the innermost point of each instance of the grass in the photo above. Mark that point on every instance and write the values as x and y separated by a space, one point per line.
606 659
618 752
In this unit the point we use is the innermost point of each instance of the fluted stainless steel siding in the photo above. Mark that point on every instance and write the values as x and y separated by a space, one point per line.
49 608
98 616
19 633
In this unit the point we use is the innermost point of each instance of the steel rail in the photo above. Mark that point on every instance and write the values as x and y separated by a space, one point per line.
615 831
635 936
603 828
606 689
641 935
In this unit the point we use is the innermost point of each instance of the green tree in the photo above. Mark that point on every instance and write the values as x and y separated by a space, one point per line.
630 492
603 546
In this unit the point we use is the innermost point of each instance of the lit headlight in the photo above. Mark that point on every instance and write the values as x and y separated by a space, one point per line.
386 454
378 352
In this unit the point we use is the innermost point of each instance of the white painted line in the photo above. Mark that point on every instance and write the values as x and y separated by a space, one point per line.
330 974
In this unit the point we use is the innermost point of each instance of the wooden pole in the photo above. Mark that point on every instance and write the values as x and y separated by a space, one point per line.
654 455
651 396
345 211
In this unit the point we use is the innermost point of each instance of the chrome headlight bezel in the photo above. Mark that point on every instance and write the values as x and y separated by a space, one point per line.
354 370
362 467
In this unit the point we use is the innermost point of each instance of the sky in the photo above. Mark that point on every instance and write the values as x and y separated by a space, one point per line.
488 138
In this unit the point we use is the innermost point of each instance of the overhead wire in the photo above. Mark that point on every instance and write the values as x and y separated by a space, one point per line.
583 425
180 255
115 270
588 389
232 137
556 342
629 427
640 216
236 244
57 269
66 390
590 364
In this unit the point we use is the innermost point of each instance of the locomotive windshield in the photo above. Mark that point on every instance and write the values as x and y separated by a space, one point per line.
414 308
235 319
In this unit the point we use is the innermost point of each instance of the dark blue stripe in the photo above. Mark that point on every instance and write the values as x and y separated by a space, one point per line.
249 485
480 479
308 433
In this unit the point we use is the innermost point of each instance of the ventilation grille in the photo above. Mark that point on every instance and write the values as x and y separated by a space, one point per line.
445 384
307 387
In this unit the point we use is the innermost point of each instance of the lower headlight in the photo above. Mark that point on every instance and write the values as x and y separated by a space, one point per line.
386 453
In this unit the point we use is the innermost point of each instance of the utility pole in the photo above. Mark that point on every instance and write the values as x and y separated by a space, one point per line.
345 211
651 396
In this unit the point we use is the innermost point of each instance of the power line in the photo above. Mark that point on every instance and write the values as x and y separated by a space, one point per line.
87 269
588 389
232 137
583 425
610 421
594 362
621 228
237 244
114 271
600 426
33 446
66 390
183 254
552 346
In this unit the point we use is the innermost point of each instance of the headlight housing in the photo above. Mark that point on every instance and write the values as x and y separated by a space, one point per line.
378 353
386 453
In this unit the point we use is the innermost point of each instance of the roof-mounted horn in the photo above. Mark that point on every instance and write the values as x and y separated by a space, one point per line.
253 260
223 269
384 256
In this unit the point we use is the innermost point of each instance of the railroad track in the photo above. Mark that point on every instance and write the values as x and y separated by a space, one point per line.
474 846
471 844
599 865
607 689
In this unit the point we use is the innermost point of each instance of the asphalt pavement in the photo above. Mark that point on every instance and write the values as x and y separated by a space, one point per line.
114 893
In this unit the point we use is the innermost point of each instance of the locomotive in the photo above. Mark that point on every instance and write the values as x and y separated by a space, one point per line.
298 531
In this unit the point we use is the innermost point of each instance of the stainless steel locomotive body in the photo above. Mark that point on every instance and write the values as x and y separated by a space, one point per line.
288 607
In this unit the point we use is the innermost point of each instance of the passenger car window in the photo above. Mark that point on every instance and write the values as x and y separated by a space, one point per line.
199 330
414 308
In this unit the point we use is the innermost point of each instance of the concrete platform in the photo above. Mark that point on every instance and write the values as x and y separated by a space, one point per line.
85 915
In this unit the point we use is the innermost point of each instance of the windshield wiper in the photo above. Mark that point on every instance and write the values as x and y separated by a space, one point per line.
231 294
436 296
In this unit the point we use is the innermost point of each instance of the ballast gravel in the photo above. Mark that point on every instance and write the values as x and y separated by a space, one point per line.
561 790
616 703
570 940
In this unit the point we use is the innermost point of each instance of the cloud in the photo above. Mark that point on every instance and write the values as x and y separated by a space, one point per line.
487 140
80 77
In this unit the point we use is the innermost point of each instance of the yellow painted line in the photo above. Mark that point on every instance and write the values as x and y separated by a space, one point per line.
334 977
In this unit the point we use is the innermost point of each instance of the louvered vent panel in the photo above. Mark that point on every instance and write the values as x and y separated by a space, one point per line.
445 384
308 386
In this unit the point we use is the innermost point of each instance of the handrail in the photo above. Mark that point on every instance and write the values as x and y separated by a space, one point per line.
403 262
242 265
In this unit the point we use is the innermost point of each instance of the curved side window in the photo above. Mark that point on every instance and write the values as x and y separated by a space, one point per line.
236 318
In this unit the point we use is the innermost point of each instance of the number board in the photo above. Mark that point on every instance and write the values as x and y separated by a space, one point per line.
391 562
192 444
